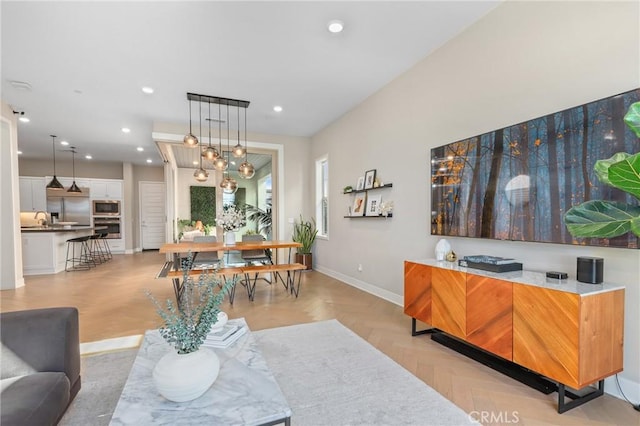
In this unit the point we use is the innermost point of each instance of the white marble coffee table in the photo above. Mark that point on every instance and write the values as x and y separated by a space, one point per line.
245 392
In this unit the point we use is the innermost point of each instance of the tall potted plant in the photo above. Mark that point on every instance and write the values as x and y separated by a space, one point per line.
305 232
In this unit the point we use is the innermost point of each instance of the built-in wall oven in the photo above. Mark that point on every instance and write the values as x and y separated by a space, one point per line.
106 208
112 224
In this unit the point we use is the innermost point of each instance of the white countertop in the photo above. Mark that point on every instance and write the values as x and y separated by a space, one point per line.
58 228
537 279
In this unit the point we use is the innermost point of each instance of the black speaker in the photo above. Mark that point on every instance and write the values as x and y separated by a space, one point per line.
590 269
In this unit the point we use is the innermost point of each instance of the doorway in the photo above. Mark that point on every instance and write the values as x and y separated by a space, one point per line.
153 214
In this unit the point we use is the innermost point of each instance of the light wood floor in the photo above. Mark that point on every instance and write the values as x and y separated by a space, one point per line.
112 303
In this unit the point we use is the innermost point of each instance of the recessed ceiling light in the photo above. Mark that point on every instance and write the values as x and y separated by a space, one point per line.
277 108
140 149
65 143
24 119
148 90
88 157
126 130
149 160
19 152
335 26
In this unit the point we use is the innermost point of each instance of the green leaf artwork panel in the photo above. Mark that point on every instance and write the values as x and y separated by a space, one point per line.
203 204
625 175
603 219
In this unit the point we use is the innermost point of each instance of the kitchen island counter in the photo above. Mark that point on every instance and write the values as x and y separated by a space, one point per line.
58 228
44 248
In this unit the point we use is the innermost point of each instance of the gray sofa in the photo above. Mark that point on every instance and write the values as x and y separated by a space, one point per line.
40 365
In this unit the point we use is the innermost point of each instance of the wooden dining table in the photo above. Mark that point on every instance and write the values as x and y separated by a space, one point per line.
190 246
292 270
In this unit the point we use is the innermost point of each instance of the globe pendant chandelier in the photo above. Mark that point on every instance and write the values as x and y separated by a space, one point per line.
220 162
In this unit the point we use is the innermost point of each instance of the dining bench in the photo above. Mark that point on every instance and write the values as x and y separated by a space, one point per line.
290 274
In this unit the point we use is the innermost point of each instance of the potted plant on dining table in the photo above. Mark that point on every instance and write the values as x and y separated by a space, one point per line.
231 220
305 232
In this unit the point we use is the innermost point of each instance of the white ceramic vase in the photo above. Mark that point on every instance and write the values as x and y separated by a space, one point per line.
184 377
442 248
230 238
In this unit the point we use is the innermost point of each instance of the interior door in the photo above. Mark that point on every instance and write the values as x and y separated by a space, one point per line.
153 214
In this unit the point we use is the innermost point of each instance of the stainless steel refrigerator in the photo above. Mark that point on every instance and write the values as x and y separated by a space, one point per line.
70 206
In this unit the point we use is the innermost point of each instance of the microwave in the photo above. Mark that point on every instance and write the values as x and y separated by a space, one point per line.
106 208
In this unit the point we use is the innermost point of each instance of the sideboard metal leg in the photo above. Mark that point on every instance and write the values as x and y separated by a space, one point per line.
576 400
415 332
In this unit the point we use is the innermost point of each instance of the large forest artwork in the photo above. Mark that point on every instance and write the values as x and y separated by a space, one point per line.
517 183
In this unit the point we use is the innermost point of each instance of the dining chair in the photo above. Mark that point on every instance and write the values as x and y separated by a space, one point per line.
205 259
252 256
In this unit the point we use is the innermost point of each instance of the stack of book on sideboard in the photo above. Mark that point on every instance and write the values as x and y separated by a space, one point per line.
490 263
224 337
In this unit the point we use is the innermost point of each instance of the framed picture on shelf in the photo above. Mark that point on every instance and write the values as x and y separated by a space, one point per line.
369 178
359 204
373 205
360 185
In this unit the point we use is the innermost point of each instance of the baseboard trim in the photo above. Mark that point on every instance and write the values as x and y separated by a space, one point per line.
362 285
630 388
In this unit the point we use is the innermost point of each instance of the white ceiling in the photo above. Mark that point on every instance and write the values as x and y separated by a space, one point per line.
86 63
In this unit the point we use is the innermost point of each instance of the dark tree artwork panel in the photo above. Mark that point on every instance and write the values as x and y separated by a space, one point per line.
517 183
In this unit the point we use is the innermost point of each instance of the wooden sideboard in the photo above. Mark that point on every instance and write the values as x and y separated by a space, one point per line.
567 331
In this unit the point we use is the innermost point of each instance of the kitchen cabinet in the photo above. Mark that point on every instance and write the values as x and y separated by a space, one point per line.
106 189
116 245
33 194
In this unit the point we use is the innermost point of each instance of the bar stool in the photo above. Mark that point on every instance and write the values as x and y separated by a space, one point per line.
105 245
83 260
98 253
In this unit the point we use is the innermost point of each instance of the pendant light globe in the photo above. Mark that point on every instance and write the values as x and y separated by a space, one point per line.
201 175
246 170
210 153
220 163
229 185
238 151
190 139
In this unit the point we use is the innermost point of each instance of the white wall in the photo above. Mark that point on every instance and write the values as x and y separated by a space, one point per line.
10 242
522 61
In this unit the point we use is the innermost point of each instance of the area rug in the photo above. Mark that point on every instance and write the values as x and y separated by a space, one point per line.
329 375
103 377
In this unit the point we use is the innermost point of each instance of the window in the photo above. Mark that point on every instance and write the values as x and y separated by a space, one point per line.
322 196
